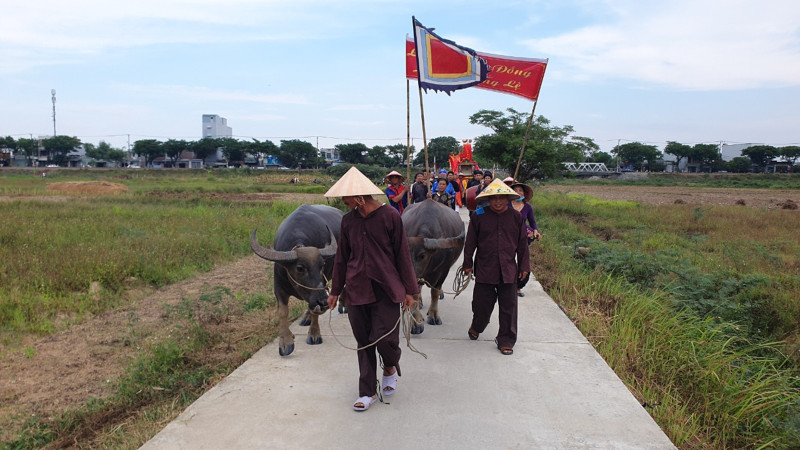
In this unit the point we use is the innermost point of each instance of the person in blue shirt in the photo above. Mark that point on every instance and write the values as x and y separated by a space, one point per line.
448 189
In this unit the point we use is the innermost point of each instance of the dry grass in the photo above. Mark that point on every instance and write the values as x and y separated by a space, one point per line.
86 188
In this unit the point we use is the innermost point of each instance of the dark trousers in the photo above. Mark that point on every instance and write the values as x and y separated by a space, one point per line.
369 322
484 297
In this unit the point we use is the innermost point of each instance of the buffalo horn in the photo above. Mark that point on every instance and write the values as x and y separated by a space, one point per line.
269 253
442 243
330 249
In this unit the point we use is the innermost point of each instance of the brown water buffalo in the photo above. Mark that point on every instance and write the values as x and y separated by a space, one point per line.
303 251
436 238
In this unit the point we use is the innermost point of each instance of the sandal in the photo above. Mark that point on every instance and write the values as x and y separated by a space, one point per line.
365 403
389 384
504 350
473 335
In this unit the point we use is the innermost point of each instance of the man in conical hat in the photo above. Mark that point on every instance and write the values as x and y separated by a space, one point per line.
500 239
396 192
373 273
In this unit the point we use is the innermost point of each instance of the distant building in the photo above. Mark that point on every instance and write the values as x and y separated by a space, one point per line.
730 151
215 126
330 155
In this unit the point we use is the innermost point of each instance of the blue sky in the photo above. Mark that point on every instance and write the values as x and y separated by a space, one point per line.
333 72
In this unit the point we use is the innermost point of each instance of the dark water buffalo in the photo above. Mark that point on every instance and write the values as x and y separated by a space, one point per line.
305 244
436 238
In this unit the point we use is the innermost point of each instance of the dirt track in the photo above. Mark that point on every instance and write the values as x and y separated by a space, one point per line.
655 195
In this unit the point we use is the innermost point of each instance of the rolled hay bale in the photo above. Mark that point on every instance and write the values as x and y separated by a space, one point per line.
86 188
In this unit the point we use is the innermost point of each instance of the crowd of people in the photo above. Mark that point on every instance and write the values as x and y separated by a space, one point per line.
373 272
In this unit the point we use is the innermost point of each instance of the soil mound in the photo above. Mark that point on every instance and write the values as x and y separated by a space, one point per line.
86 188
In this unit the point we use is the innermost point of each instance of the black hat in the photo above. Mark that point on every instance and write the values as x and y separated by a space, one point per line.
477 172
488 173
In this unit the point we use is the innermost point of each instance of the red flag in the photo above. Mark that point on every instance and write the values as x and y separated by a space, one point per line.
516 76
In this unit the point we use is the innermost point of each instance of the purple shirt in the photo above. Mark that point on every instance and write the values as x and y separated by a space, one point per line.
373 249
527 215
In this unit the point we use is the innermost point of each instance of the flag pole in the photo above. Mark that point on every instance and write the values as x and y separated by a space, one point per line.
525 140
408 131
424 136
527 130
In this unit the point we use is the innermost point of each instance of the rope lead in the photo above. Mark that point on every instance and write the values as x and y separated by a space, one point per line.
406 317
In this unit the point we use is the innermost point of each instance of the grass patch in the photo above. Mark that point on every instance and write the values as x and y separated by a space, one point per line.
694 311
77 258
714 180
167 376
144 181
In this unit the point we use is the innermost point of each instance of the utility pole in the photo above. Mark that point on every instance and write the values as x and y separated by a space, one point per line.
53 93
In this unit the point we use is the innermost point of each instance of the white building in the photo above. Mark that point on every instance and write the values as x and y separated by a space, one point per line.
215 126
330 155
730 151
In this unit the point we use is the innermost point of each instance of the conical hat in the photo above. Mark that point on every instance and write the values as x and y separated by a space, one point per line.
497 187
353 183
395 173
526 189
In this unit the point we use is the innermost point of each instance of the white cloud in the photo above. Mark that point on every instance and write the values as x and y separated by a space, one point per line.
365 107
41 32
204 93
693 45
356 123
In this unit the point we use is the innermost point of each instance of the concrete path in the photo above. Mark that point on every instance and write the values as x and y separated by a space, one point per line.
555 391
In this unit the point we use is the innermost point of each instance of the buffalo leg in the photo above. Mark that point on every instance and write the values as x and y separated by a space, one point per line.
433 310
306 319
418 326
285 337
314 335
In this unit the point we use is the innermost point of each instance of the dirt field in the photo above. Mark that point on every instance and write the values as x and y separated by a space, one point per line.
48 375
758 198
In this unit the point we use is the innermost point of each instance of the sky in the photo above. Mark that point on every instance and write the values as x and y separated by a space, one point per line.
690 71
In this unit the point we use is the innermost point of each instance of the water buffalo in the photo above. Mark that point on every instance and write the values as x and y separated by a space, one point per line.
303 251
436 238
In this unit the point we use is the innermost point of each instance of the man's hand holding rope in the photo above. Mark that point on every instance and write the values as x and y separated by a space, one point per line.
409 302
332 299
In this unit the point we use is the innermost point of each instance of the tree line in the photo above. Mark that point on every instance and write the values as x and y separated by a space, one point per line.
546 148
